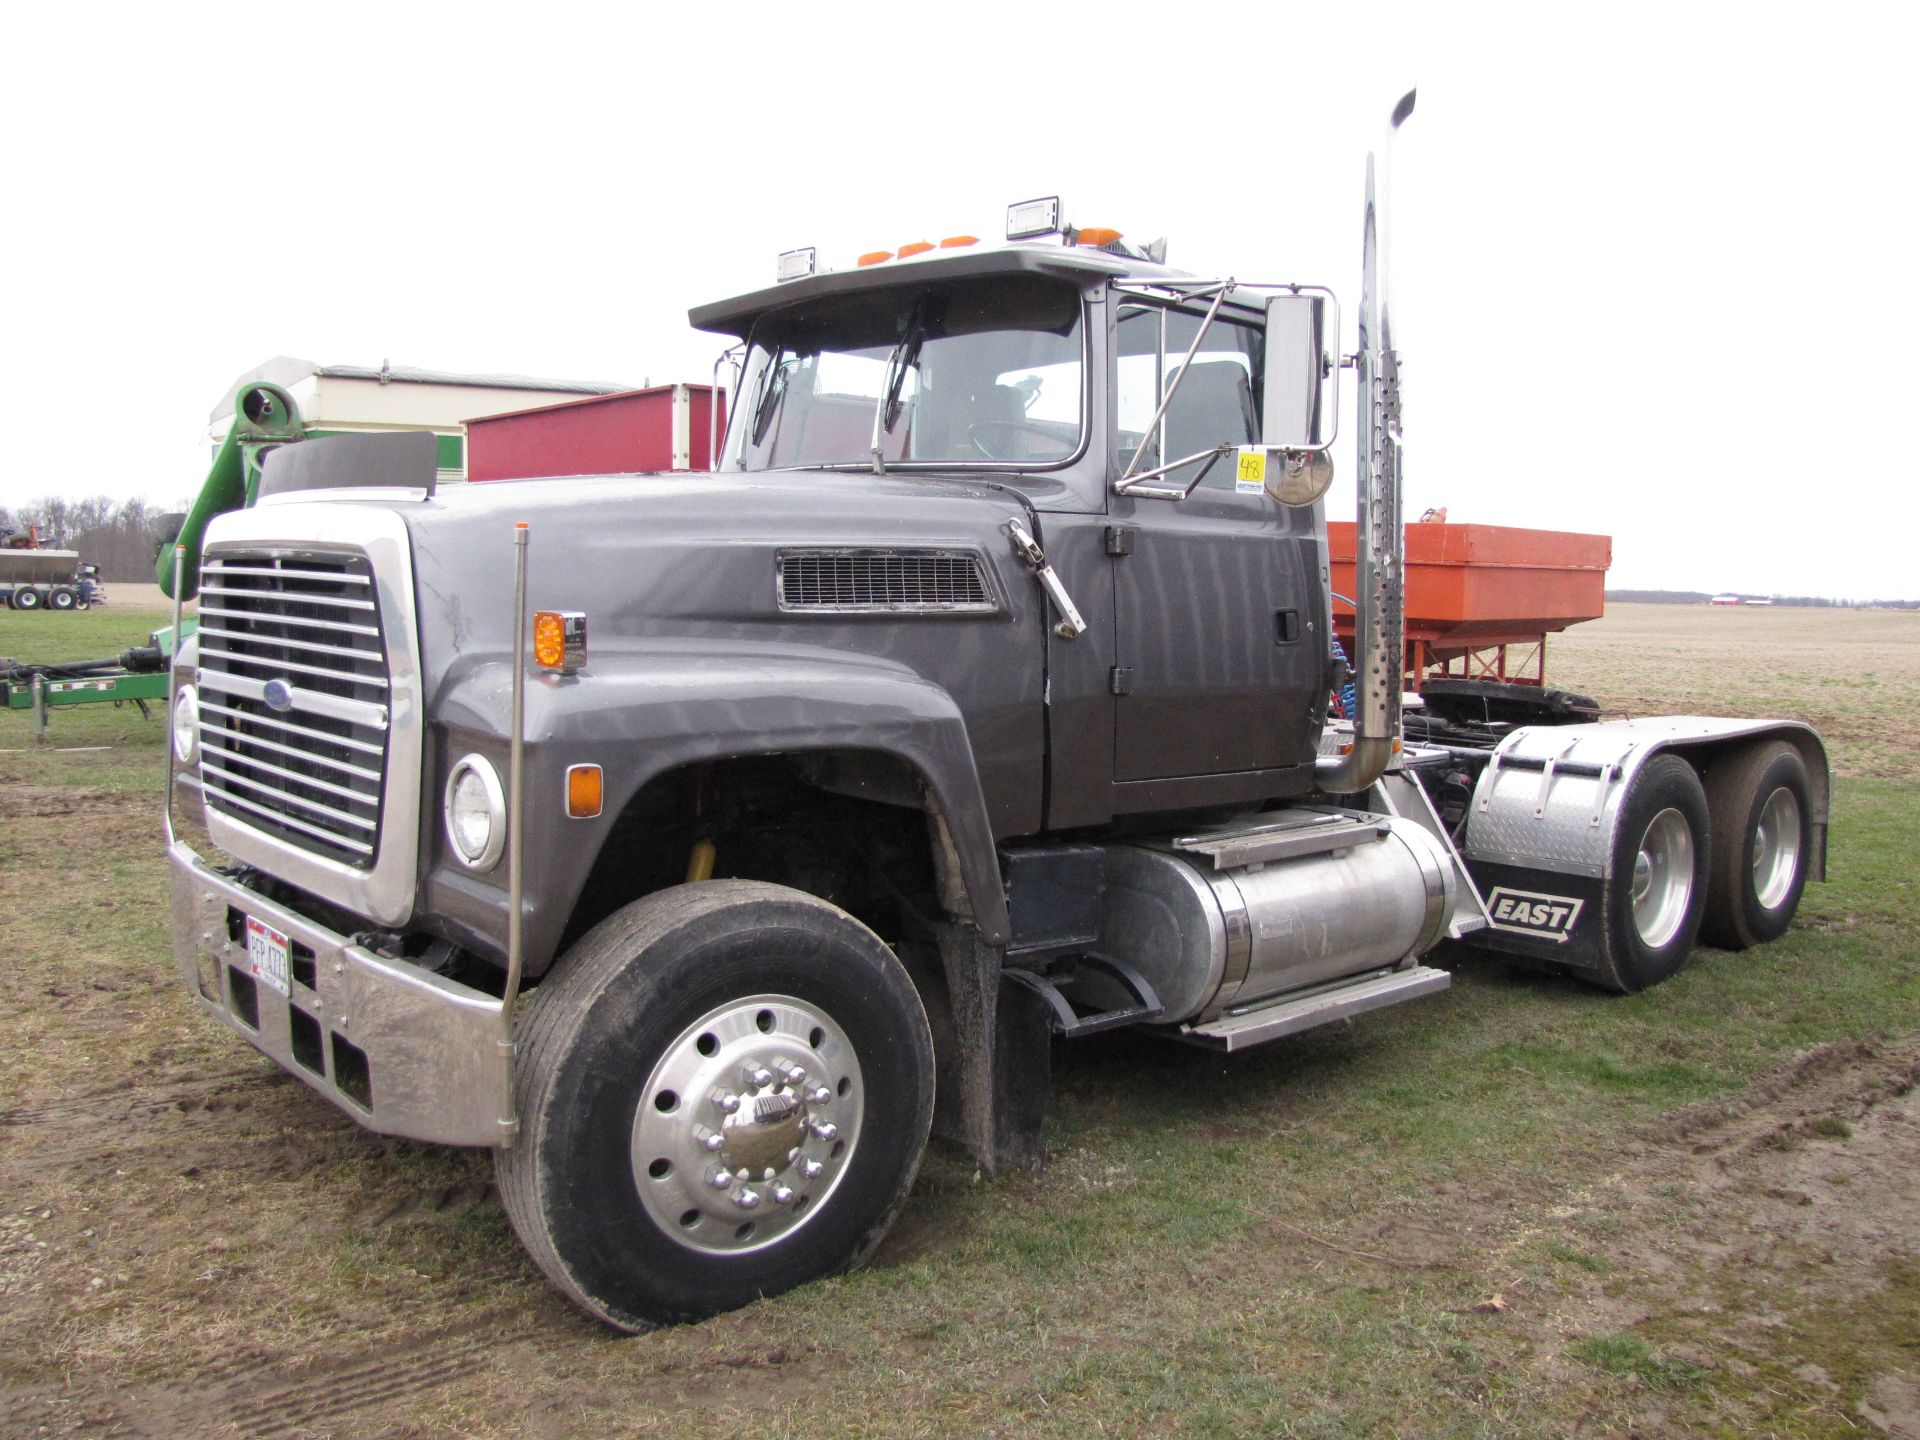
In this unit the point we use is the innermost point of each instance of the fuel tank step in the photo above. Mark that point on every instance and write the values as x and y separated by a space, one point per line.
1290 1014
1091 993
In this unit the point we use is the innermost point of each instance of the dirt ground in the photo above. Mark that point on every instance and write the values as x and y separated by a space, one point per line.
192 1244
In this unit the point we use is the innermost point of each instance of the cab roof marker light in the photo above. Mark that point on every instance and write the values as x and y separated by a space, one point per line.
917 247
794 265
1096 235
954 242
875 257
1030 219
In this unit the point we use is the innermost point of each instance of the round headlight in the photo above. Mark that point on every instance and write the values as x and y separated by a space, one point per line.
476 813
186 725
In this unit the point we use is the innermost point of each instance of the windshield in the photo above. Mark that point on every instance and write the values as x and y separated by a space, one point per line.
962 373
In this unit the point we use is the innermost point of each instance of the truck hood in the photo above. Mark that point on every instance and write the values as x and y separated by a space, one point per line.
690 555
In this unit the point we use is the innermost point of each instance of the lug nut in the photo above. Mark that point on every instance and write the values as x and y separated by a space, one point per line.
759 1076
811 1168
783 1194
720 1180
795 1075
726 1100
710 1140
825 1129
819 1095
748 1199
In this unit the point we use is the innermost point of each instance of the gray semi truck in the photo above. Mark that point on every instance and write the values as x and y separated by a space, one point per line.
701 843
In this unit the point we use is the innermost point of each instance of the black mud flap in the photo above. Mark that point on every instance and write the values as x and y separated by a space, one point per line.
1541 915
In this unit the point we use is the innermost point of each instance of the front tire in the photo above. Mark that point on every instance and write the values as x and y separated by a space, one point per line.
724 1092
1762 843
1657 881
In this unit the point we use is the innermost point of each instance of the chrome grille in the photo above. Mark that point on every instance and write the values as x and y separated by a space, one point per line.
310 771
854 580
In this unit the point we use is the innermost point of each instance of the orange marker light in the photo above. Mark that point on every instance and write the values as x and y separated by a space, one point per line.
875 257
559 640
954 242
918 247
583 791
1098 235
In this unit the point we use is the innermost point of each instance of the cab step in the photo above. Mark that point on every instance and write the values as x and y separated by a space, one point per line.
1091 993
1290 1014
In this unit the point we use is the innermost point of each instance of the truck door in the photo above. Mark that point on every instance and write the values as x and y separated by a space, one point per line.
1221 639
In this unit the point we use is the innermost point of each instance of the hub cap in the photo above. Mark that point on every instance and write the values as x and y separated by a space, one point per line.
1662 878
1776 849
747 1123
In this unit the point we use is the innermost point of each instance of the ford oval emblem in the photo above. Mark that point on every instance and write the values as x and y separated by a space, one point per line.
278 694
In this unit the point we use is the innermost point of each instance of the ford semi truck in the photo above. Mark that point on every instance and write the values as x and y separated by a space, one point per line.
700 843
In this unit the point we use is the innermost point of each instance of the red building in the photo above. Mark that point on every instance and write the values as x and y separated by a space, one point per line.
664 427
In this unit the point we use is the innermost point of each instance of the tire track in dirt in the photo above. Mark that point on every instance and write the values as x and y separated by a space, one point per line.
280 1405
241 1395
132 1102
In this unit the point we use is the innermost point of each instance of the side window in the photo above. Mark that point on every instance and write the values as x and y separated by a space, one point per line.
1215 404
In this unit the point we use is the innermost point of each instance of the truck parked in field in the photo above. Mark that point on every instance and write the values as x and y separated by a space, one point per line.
34 576
978 695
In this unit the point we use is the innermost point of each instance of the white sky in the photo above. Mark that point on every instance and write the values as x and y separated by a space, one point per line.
1654 265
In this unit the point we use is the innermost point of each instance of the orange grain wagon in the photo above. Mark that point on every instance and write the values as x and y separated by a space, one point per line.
1482 599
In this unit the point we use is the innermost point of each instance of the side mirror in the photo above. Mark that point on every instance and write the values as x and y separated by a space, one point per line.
1301 406
1301 396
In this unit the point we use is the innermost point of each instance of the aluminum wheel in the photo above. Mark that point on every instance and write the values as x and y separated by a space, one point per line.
1776 848
1662 878
747 1124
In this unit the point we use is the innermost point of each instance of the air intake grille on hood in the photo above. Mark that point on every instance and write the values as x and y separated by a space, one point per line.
884 580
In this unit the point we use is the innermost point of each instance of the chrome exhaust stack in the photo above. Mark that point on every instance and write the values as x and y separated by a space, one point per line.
1379 532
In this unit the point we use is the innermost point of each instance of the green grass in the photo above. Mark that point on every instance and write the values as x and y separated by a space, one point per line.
87 745
1287 1242
1624 1354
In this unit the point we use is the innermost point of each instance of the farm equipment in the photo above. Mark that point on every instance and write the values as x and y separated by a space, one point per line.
264 418
977 697
134 677
34 576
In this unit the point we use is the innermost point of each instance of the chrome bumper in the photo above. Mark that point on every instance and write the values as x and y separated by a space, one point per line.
403 1051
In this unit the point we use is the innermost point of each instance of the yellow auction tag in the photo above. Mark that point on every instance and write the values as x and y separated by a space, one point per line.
1252 474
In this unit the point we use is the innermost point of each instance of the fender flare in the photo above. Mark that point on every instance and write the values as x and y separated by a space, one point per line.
642 712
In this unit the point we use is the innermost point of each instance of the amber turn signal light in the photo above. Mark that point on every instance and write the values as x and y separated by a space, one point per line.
584 791
559 640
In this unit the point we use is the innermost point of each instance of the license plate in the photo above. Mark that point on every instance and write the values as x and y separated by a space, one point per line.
267 954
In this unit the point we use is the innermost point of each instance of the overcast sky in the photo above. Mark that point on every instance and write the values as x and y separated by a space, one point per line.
1654 266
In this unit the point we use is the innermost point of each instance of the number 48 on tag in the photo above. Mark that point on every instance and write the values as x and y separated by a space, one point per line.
1251 476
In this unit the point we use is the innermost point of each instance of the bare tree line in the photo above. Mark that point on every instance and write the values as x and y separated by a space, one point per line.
116 535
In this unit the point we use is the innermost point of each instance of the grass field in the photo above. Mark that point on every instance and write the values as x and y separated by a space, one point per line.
1523 1208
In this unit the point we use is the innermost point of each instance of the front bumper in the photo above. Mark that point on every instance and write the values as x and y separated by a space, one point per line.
403 1051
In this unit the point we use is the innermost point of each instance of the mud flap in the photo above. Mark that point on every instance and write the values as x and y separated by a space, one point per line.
994 1049
1544 916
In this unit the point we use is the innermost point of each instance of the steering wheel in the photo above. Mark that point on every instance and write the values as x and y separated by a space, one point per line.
981 443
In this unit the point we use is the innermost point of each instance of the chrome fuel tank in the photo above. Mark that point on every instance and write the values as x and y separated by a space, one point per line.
1325 895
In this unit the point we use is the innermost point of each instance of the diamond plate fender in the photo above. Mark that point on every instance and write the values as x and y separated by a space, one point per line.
1543 816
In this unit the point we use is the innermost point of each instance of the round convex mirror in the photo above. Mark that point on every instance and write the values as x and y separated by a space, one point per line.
1296 477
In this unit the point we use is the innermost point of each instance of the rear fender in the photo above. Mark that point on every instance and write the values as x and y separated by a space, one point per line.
1541 826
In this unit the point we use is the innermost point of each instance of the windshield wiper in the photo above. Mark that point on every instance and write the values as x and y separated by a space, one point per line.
905 356
773 388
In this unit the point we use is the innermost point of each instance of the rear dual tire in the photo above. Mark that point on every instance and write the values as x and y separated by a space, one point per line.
1762 845
1656 889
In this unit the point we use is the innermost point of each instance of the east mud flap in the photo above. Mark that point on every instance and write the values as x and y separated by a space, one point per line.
1541 915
